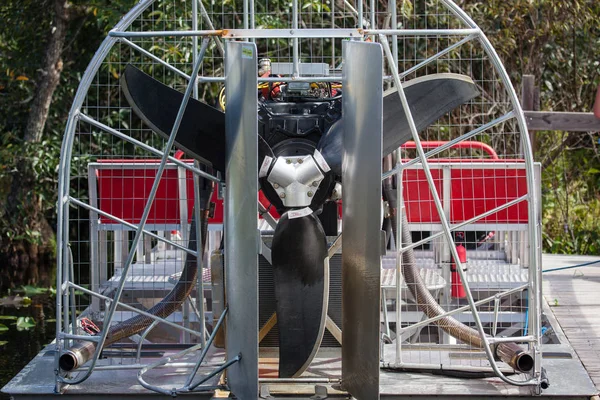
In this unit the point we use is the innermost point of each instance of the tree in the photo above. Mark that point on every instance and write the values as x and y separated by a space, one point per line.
558 42
45 44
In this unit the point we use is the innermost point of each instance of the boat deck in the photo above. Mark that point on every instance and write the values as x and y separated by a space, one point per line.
573 366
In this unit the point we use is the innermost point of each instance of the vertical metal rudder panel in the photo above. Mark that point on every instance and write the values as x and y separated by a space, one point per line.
241 234
361 254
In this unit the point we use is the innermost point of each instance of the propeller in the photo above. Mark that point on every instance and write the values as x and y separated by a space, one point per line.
299 244
430 97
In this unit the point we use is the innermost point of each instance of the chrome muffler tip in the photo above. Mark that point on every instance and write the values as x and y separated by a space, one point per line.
515 356
523 362
76 356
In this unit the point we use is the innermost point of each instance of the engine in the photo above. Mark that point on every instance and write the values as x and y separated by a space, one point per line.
292 119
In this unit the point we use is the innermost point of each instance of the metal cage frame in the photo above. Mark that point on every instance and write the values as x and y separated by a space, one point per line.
120 34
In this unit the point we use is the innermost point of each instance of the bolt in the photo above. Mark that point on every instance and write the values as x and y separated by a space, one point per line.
288 161
276 186
282 195
316 183
300 161
310 194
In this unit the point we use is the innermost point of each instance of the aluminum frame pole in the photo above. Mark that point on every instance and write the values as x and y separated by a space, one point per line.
130 225
401 166
359 11
356 33
200 259
155 58
362 241
394 25
127 307
242 239
205 349
179 163
296 50
467 222
208 22
197 211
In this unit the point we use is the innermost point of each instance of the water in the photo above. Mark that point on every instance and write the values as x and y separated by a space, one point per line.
24 345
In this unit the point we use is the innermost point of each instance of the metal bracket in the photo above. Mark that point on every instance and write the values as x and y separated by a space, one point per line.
264 392
264 250
383 242
320 392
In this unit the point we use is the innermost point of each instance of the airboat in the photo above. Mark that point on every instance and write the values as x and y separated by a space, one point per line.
309 199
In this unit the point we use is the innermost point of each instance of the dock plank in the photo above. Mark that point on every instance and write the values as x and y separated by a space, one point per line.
573 295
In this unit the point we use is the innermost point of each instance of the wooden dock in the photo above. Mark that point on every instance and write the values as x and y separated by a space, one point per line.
574 298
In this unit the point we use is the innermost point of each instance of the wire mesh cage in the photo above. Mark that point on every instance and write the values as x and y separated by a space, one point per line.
460 280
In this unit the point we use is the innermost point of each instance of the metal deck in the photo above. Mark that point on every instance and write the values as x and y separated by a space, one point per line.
37 380
573 366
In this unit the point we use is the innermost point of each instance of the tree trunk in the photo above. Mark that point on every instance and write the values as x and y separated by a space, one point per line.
50 73
28 256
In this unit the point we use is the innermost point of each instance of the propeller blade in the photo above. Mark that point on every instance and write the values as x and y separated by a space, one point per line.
202 130
298 252
430 97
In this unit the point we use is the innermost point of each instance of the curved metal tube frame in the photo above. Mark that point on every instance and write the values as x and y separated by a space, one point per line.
119 34
535 222
63 189
64 174
446 230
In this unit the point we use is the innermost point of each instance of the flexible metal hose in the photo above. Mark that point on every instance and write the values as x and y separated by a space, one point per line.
81 351
510 353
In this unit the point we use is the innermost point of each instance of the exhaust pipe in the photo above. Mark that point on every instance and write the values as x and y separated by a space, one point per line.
81 351
515 356
76 356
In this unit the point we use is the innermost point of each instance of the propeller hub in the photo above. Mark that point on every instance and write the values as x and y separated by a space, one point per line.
296 179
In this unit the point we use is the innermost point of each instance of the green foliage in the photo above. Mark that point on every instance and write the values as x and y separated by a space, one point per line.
26 26
43 158
34 290
557 41
25 323
572 203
